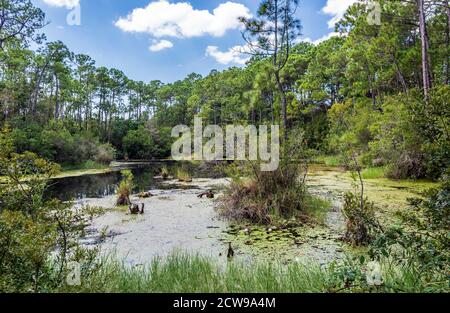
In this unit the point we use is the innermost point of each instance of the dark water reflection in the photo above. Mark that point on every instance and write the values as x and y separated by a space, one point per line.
102 185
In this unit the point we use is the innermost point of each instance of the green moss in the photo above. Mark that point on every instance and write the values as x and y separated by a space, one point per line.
284 244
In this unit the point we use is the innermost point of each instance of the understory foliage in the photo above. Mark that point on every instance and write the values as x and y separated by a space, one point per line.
37 238
418 246
360 218
406 136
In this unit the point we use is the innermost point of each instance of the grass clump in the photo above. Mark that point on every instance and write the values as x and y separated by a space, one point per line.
317 208
165 172
182 273
125 188
183 176
373 172
266 196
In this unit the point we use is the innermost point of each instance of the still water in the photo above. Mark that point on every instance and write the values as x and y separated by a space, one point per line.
103 185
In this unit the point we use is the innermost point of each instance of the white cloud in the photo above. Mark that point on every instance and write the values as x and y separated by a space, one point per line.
234 55
160 45
336 9
181 20
69 4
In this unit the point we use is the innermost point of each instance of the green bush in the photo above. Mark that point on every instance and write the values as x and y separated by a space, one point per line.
360 218
37 238
421 242
139 144
267 196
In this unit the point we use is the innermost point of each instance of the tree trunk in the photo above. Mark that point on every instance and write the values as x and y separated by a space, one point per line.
447 80
425 46
56 98
283 103
400 76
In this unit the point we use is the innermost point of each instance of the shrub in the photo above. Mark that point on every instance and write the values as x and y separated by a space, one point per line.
183 176
165 172
360 220
37 238
138 144
265 196
125 188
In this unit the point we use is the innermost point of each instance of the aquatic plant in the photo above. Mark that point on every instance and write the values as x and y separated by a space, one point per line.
185 273
183 176
125 188
360 220
165 172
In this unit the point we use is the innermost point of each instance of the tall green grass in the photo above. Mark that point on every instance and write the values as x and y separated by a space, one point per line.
183 273
186 274
183 175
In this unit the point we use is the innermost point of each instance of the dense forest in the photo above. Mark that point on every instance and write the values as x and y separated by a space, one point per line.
368 89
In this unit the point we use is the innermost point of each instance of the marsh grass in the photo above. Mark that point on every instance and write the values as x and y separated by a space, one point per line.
317 208
87 165
373 172
165 172
184 273
183 175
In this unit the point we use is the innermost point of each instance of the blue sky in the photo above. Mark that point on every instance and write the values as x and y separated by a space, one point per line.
126 45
